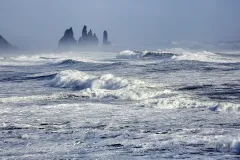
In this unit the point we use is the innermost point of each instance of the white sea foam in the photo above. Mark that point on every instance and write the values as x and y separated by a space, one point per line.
108 86
80 80
203 56
40 98
180 54
107 115
42 59
184 101
228 144
24 99
128 54
148 95
104 86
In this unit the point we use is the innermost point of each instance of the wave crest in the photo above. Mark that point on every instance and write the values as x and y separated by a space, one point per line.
79 80
128 54
180 54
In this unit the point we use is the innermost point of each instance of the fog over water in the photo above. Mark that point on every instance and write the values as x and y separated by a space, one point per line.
40 24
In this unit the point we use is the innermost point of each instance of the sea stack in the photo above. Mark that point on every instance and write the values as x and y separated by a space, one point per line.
67 41
105 39
88 38
5 45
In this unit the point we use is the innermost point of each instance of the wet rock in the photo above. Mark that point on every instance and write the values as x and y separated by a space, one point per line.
90 34
105 39
88 38
67 41
5 45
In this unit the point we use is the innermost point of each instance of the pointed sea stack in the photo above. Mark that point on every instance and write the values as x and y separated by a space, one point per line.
105 39
90 33
95 39
83 39
67 41
88 38
5 45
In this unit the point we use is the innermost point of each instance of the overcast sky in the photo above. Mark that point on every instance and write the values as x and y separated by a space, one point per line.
37 24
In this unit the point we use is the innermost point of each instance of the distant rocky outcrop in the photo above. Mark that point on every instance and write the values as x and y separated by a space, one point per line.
105 39
88 38
5 45
67 41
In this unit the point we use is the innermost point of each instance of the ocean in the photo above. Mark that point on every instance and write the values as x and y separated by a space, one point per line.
166 104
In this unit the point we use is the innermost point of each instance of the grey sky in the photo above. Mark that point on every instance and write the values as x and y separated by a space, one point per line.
40 23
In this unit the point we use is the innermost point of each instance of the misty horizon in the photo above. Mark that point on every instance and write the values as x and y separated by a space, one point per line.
134 23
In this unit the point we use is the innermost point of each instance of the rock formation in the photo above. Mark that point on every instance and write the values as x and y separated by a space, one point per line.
67 41
84 31
105 39
88 38
5 45
95 39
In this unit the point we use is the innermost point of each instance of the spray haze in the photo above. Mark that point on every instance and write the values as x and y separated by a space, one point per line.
40 24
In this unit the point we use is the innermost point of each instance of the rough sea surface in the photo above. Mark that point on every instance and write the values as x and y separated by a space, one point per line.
166 104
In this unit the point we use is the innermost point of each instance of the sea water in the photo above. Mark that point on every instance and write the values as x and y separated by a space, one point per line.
164 104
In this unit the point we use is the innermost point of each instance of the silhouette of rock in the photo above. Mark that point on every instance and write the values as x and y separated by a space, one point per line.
90 33
5 45
84 32
87 38
95 39
67 41
105 39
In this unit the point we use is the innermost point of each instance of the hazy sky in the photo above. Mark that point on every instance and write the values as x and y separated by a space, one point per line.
37 24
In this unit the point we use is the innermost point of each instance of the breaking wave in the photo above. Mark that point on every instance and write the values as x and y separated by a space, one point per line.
68 62
128 54
205 56
146 94
80 80
44 59
229 146
180 54
40 76
108 86
184 101
29 60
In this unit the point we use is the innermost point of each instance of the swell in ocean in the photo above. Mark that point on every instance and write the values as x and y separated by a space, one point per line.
153 104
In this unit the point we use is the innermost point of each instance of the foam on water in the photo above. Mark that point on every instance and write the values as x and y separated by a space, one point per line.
120 110
41 74
29 60
180 54
150 95
203 56
106 85
35 98
184 101
128 54
80 80
41 59
227 144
